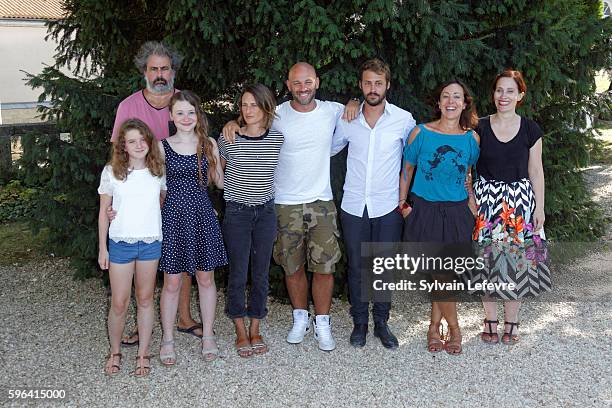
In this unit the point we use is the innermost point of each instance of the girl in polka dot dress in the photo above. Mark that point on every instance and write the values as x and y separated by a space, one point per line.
192 238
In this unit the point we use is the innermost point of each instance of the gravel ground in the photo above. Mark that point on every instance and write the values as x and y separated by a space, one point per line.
599 178
54 336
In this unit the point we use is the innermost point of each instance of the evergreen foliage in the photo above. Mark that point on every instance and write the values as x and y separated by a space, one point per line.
558 44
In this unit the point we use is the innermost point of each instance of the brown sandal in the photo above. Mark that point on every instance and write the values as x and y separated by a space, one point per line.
434 339
110 359
258 345
490 337
509 338
142 370
453 342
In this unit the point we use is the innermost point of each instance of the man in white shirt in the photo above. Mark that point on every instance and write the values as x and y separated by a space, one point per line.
307 228
371 189
306 214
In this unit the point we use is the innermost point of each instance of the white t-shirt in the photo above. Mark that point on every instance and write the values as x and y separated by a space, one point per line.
136 201
302 175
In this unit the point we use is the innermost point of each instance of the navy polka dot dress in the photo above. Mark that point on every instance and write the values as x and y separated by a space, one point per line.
192 237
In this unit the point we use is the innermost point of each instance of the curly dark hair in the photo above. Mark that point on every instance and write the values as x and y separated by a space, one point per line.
157 48
469 116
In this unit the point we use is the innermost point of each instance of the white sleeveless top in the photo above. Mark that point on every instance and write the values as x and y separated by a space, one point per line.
136 201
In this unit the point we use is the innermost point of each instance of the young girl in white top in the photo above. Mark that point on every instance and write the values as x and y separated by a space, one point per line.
134 184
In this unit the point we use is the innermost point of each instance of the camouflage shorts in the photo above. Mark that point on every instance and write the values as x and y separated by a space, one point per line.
307 233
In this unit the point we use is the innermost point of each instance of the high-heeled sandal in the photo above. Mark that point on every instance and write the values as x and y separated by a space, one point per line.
434 339
211 353
168 358
509 338
453 342
142 369
490 337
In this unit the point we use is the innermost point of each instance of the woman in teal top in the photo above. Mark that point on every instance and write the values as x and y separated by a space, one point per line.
442 151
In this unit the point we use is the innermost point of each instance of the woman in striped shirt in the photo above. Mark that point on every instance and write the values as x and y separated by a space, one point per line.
249 225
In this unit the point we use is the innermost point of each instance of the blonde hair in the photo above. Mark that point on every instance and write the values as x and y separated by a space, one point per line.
120 160
201 131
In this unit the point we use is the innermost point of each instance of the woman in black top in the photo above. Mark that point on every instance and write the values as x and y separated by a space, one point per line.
509 193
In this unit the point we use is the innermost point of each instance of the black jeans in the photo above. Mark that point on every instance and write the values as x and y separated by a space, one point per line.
387 228
249 233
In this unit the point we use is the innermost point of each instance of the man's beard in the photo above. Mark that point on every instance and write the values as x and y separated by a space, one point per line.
160 85
304 102
375 102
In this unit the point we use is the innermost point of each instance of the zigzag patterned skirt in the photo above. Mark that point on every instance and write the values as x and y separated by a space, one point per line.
503 236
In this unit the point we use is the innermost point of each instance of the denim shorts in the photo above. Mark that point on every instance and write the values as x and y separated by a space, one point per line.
122 252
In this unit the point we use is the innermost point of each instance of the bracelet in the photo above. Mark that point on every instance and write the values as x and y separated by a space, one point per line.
402 207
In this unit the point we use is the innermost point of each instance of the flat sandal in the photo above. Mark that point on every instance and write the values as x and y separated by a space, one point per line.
243 347
210 354
142 370
111 357
258 344
167 359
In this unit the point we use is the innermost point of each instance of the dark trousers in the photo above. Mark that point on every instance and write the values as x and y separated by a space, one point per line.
249 233
356 230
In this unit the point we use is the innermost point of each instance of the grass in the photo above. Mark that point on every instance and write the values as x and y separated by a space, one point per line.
18 245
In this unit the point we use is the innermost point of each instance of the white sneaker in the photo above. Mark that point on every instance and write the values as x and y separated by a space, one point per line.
301 325
323 333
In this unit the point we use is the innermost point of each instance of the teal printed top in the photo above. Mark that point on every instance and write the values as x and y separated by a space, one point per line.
441 162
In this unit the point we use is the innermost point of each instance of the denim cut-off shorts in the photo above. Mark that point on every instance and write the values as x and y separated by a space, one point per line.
122 252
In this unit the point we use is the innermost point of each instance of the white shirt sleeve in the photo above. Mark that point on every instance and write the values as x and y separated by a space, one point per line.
106 184
162 183
338 109
340 139
409 125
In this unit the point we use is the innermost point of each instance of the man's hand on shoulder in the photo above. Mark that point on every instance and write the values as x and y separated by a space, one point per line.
351 110
111 213
229 131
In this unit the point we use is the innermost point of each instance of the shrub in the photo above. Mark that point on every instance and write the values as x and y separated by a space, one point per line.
16 201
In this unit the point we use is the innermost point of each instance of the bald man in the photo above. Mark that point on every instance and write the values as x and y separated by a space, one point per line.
306 214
